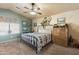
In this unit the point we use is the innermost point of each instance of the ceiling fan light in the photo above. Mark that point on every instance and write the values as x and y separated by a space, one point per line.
35 9
32 13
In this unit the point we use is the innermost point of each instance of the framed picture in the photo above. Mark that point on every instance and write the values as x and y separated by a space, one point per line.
61 21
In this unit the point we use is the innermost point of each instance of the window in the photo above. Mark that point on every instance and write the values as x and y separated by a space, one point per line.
9 25
9 28
3 28
14 27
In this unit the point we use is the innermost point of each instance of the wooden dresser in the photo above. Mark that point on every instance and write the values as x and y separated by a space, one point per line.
61 35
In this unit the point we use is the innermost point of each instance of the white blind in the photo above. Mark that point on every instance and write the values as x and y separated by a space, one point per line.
9 19
9 25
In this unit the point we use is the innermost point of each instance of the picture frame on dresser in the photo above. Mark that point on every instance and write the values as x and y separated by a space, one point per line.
61 21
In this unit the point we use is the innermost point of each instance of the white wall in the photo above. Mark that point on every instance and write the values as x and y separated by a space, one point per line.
72 18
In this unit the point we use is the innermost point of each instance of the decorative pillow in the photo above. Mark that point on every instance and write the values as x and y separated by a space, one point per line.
47 29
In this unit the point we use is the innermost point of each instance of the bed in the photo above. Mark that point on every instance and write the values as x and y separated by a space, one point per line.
38 39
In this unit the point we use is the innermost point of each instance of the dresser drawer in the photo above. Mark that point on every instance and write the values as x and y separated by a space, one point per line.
61 42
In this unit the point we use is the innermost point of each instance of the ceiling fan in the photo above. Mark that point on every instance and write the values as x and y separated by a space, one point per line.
34 9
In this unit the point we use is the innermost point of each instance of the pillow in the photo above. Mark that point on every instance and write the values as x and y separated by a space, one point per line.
47 29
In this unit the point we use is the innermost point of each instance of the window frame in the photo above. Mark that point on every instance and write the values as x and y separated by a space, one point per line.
9 31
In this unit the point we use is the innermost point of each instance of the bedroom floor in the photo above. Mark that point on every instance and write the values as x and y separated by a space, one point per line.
16 47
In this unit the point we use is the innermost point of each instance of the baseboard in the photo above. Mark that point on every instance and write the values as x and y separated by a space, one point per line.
9 40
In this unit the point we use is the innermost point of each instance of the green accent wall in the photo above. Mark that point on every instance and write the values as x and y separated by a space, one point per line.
6 12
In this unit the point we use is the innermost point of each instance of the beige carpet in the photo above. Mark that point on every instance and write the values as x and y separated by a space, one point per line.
16 47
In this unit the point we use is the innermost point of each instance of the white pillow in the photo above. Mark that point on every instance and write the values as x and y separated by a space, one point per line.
47 29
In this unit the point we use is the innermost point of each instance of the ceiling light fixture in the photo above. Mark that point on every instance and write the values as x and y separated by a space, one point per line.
32 13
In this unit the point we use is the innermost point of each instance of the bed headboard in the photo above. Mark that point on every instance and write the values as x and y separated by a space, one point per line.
47 29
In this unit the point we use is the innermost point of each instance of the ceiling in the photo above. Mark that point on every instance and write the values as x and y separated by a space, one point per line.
45 8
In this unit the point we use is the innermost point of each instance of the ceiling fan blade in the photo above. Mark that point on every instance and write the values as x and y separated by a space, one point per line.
25 12
39 13
26 7
17 7
38 8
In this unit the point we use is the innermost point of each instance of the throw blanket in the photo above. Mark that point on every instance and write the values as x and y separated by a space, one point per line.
37 39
